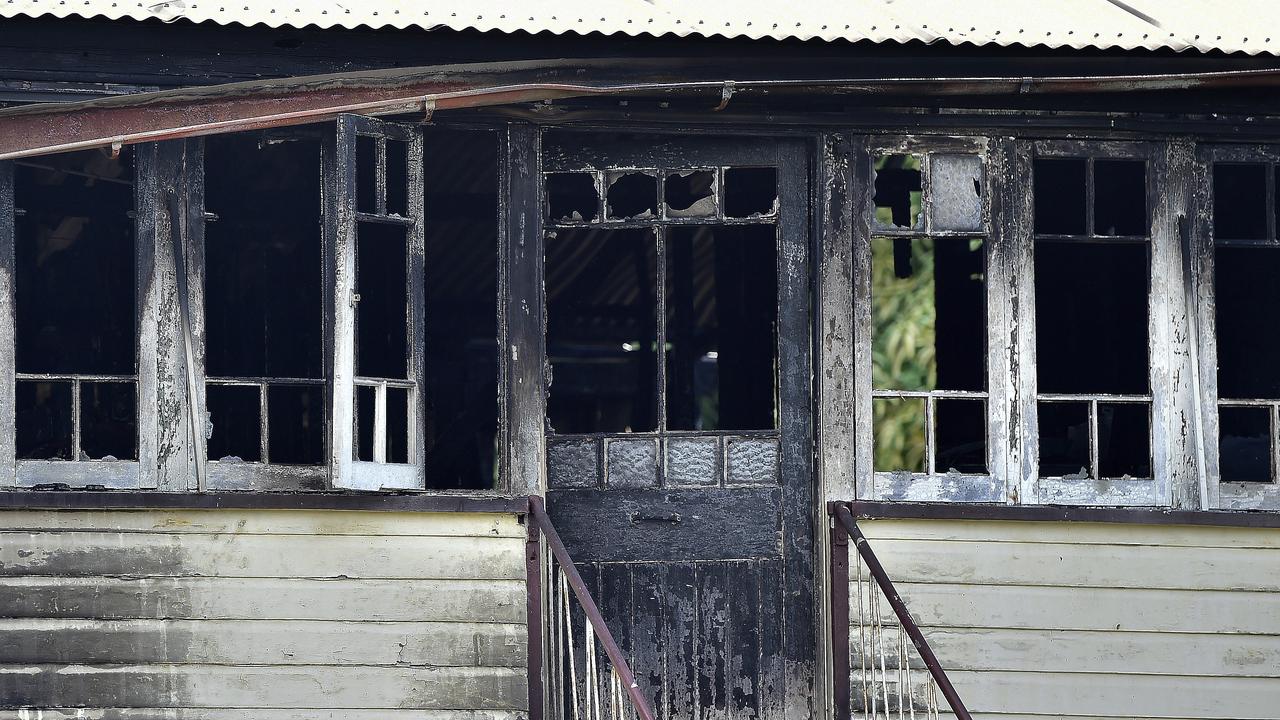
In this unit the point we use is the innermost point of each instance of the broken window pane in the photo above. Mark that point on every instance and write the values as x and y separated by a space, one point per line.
44 420
382 275
1245 438
955 189
899 443
1124 440
929 314
1064 439
234 412
295 418
1059 185
366 174
1247 298
397 178
601 289
721 327
961 435
75 264
1239 201
633 195
897 198
263 295
397 425
691 193
108 421
461 309
1091 317
572 197
365 411
1119 197
750 192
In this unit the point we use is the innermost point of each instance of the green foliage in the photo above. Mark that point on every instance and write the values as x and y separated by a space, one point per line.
903 351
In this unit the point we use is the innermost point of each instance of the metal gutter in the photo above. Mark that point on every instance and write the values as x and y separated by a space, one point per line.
189 112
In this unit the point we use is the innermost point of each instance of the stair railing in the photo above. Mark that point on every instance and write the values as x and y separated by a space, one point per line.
876 673
582 689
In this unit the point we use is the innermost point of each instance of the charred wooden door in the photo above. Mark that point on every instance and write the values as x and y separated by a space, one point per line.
679 411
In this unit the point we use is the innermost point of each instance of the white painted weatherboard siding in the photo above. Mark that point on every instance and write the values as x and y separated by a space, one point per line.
1083 620
269 615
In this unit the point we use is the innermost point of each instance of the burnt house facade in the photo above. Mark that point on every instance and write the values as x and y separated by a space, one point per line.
475 366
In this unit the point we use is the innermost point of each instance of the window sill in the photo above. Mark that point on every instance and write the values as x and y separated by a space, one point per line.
1059 513
142 500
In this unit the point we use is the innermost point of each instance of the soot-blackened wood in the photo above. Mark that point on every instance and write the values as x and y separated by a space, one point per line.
833 316
713 621
649 609
795 345
535 611
522 374
668 525
840 622
862 190
1197 231
8 336
682 641
743 645
170 262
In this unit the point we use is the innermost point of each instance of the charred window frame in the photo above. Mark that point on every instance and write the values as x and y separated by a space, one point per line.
1237 249
927 395
655 201
1101 395
169 270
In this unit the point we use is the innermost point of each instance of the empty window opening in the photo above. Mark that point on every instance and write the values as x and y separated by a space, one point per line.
1240 201
572 197
264 299
45 420
690 193
899 442
295 421
898 192
1246 437
397 178
1120 197
367 160
75 307
601 330
750 192
1060 196
633 195
382 310
1065 445
1248 385
1091 317
721 298
365 412
928 299
955 192
235 412
461 309
1124 440
961 435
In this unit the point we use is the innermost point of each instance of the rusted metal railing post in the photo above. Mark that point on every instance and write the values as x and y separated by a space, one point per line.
533 606
839 617
538 514
845 517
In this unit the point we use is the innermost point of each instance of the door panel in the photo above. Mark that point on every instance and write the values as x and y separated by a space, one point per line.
681 363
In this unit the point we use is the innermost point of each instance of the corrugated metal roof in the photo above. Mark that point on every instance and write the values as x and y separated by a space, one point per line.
1247 26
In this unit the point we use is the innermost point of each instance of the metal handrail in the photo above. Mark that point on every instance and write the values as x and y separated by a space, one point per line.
540 522
844 528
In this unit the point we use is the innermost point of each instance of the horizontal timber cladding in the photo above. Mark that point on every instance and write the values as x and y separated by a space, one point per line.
272 614
1075 620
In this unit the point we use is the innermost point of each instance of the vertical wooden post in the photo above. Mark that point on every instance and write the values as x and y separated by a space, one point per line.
522 375
8 331
169 198
841 697
534 609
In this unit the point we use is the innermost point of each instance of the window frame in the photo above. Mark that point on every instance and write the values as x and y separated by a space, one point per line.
902 485
170 275
1226 495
